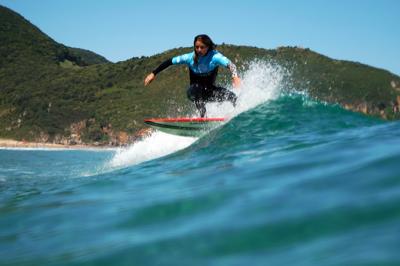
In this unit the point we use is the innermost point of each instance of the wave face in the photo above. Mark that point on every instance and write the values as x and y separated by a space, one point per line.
287 181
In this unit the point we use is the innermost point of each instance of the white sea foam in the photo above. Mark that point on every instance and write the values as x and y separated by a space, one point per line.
261 82
157 145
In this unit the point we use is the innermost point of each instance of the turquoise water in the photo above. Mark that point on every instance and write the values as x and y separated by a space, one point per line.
289 182
286 181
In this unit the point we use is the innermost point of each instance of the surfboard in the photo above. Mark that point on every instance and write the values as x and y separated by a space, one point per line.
185 126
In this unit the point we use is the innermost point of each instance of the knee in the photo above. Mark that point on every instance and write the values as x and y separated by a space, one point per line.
194 92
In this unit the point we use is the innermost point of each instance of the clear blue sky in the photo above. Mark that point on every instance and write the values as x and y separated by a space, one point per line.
367 31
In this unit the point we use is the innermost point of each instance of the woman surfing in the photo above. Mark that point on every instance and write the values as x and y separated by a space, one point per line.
203 65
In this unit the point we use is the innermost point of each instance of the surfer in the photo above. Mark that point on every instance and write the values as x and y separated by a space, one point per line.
203 65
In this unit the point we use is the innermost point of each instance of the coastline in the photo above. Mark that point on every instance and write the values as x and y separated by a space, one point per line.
10 143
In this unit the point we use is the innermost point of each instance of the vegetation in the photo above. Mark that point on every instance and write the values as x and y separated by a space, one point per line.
50 92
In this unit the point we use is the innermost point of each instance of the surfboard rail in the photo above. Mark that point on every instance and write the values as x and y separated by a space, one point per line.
187 119
185 126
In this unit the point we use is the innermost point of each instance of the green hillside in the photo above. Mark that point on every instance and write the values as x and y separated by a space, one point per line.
54 93
87 57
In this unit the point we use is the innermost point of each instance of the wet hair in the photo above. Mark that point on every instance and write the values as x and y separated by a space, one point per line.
204 38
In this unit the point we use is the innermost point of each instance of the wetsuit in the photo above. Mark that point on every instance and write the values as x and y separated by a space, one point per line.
202 77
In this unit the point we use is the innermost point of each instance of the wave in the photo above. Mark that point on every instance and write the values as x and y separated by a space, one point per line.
157 145
288 123
309 177
261 82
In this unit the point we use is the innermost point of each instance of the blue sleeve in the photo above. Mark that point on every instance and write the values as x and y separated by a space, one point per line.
163 66
221 60
183 59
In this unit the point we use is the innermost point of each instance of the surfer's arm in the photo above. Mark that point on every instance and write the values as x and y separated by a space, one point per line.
232 68
235 78
222 60
180 59
150 77
163 66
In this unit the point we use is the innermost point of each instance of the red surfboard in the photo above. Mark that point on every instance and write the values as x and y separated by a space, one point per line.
185 126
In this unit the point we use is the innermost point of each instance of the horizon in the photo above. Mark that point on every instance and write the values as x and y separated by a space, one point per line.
359 31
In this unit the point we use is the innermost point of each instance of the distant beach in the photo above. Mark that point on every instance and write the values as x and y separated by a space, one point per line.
10 143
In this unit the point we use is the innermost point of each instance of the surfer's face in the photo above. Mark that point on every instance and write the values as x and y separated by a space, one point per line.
200 48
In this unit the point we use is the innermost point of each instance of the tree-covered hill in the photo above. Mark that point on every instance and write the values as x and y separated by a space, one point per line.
54 93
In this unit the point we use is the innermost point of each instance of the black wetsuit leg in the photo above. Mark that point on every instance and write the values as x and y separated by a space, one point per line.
220 94
200 95
197 94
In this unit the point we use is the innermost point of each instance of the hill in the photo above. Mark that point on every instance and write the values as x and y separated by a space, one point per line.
87 57
53 93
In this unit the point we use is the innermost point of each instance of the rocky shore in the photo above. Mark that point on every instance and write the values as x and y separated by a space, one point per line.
10 143
74 141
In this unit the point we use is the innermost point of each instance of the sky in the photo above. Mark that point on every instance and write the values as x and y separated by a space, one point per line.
366 31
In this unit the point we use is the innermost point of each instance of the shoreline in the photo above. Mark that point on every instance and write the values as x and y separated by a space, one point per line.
10 143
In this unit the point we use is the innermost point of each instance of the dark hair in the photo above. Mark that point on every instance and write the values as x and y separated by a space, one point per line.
204 38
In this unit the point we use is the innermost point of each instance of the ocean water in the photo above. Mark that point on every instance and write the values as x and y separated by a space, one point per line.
286 181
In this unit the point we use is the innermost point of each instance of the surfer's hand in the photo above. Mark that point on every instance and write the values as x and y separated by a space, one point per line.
150 77
236 82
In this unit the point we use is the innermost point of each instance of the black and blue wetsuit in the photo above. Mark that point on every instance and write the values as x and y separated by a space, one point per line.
202 77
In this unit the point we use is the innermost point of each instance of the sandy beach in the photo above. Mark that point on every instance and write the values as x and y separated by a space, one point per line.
10 143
